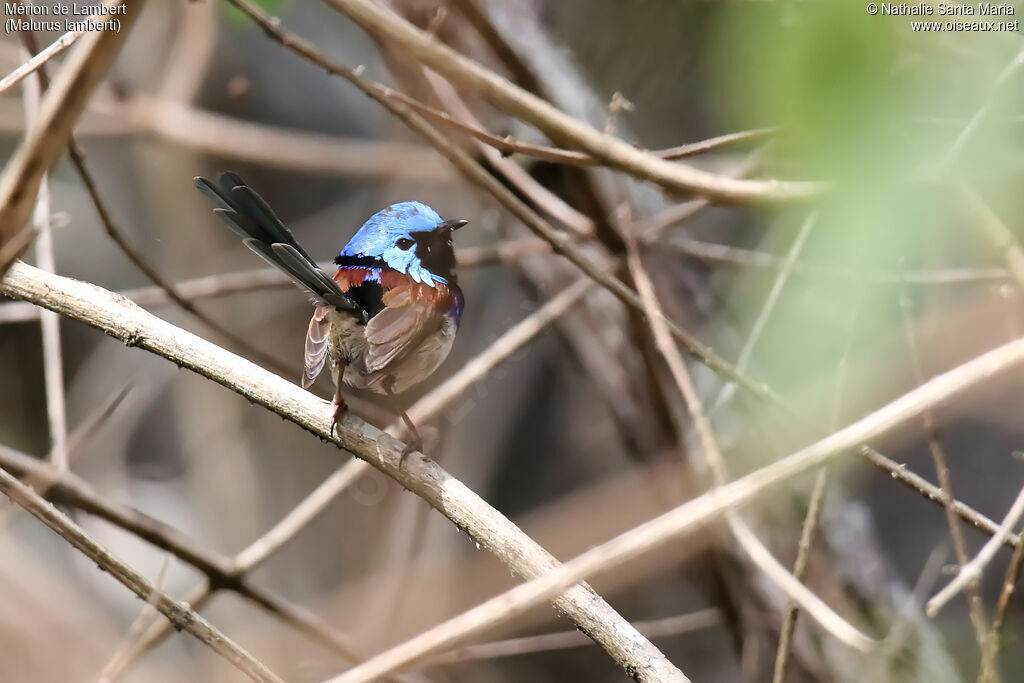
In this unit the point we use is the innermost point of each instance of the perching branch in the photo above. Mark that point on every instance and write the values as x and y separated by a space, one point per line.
123 320
231 574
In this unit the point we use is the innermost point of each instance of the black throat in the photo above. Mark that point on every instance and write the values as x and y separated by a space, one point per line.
434 250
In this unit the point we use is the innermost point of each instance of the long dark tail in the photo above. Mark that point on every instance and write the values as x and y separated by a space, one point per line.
251 218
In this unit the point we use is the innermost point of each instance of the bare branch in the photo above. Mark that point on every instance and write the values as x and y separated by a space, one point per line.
37 60
124 320
996 232
182 616
137 631
747 539
560 242
971 572
803 554
692 515
1009 586
975 605
654 628
509 145
385 25
62 106
305 151
53 358
936 495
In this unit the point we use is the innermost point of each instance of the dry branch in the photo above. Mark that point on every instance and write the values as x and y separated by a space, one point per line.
37 60
388 27
976 607
475 172
744 535
256 279
123 320
546 642
64 103
181 615
936 495
971 572
232 574
692 515
509 145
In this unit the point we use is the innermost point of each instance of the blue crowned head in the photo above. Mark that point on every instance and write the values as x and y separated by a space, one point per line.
408 237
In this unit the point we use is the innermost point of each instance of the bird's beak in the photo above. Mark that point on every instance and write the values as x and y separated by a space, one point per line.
452 225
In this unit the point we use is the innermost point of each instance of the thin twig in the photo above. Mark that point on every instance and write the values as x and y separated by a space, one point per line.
37 60
197 599
181 615
736 256
149 270
53 358
654 628
971 572
60 109
544 199
305 151
41 482
386 26
1009 586
936 495
803 555
747 539
147 615
690 516
974 122
815 505
509 145
975 606
995 230
747 352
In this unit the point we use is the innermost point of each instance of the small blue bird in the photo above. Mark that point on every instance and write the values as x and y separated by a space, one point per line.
388 318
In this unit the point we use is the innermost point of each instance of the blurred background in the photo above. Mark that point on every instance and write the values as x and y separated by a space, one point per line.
908 266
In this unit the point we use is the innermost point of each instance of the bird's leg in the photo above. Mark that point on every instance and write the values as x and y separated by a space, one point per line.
340 407
413 441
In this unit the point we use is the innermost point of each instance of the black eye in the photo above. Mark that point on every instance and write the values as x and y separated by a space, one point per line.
405 243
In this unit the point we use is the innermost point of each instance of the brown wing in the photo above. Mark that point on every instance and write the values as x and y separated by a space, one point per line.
317 338
408 317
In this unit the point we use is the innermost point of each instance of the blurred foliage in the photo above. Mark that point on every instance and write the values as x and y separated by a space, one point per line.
873 108
235 15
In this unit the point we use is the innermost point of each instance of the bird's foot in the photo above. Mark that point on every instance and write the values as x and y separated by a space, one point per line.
411 446
340 408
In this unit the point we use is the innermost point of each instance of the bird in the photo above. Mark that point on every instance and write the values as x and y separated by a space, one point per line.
388 318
